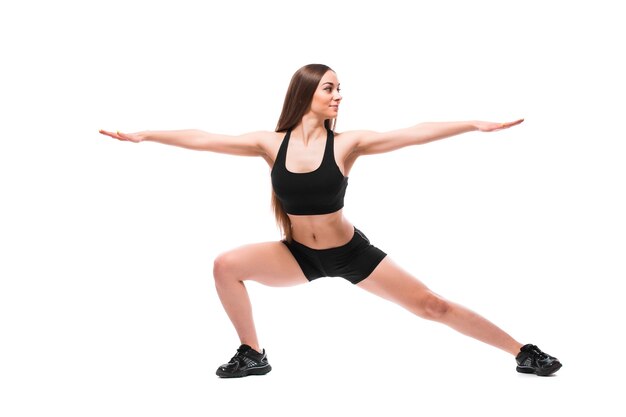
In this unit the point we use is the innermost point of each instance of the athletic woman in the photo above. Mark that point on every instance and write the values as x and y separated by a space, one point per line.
310 163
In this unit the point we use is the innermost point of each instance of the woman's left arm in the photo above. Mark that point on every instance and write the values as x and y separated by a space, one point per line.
368 143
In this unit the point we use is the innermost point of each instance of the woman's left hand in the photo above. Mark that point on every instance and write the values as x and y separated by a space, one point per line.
127 137
492 127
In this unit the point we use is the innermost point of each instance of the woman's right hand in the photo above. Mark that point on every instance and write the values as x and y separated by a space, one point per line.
128 137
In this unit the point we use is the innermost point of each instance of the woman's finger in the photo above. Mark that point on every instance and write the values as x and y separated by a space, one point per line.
117 135
509 124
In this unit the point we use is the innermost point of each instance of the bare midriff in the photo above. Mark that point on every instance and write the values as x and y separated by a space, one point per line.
321 231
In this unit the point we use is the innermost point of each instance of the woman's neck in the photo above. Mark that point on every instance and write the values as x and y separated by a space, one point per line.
310 128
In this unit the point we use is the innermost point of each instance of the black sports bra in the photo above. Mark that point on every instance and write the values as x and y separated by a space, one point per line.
317 192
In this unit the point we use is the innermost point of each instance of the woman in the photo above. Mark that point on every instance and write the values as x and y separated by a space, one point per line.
310 164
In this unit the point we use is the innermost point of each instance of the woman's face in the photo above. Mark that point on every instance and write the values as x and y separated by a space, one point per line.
326 99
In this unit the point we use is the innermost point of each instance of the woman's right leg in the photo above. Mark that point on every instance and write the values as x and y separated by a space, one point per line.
269 263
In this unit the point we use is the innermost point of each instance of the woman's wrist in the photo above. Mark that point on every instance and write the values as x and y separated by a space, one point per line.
142 136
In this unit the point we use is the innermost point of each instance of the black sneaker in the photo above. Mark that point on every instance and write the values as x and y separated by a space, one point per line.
246 361
531 360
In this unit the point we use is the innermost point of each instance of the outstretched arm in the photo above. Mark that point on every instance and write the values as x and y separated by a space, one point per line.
249 144
367 143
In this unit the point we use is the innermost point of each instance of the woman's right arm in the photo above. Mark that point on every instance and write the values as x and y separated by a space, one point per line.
249 144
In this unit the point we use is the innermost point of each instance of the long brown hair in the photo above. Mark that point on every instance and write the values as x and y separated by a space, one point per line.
297 102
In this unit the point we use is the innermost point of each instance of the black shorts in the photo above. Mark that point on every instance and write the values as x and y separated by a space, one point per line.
353 261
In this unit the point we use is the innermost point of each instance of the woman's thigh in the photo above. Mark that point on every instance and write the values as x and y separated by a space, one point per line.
269 263
393 283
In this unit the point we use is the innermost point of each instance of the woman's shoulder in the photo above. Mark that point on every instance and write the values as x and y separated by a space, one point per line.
265 137
269 141
352 136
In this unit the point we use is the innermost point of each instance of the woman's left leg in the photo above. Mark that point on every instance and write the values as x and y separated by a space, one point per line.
395 284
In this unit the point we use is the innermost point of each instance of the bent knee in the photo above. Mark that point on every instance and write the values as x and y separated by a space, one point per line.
225 268
433 307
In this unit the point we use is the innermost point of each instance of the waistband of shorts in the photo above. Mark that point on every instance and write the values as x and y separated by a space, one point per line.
356 236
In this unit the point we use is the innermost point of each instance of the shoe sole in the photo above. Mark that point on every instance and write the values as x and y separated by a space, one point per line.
254 371
544 372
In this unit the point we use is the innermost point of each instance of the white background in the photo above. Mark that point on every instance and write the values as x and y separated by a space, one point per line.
107 305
